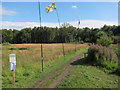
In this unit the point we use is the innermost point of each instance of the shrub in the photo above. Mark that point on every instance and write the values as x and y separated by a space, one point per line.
104 41
6 43
102 56
116 39
116 48
81 42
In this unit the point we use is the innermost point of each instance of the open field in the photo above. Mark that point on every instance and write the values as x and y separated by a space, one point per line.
28 69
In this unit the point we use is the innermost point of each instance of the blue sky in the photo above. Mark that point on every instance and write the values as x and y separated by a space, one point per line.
68 12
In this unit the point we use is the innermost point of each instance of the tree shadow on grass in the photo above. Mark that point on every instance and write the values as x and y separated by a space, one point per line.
80 62
17 48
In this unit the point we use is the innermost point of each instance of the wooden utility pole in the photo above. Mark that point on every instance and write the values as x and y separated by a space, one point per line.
13 75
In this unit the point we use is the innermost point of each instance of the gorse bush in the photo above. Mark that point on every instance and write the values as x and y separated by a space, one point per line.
102 56
104 41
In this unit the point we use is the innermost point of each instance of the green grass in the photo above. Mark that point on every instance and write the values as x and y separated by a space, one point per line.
86 76
46 84
28 72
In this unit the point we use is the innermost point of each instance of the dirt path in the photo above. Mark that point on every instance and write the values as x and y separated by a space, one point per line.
60 77
65 73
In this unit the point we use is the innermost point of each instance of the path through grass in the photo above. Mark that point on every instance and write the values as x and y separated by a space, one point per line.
28 69
86 76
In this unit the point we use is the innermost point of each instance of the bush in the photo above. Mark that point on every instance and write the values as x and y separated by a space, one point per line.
116 39
102 56
81 42
6 43
116 48
104 41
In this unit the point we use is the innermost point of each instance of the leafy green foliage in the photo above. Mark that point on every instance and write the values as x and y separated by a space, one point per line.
116 48
7 35
103 56
116 39
104 41
66 34
6 44
81 42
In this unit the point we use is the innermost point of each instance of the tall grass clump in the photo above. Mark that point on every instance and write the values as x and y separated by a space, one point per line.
103 56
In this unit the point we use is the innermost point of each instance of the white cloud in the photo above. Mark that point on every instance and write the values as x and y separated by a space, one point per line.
93 23
84 23
4 11
21 25
74 6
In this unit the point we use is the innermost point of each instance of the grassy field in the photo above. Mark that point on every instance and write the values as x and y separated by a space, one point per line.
86 76
28 69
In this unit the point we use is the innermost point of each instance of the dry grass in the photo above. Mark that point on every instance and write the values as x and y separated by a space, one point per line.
50 52
28 61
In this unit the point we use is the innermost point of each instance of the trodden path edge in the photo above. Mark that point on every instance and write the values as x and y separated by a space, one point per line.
61 76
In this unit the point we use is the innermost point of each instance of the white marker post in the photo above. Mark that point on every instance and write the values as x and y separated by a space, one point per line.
12 58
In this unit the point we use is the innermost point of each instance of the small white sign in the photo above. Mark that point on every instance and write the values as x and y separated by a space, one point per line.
12 58
12 66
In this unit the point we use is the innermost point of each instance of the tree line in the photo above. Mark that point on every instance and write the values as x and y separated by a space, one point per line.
66 34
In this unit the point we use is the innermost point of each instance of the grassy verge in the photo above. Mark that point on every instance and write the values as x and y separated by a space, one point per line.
85 76
29 75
